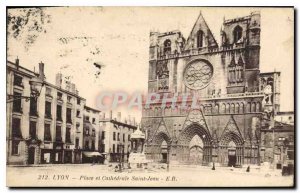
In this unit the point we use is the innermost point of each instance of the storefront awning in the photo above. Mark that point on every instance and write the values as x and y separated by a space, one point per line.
91 154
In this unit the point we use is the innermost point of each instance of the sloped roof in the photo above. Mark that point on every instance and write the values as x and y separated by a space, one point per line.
201 24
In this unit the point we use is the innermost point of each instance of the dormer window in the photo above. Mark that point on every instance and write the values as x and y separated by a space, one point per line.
200 38
167 47
237 34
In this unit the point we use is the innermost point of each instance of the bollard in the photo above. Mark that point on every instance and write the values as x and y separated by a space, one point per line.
213 168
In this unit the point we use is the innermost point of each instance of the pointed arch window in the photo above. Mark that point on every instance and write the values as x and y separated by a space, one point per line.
200 38
167 47
237 34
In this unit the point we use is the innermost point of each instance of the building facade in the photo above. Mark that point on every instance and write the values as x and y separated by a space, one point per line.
225 128
278 144
43 130
285 117
91 133
115 137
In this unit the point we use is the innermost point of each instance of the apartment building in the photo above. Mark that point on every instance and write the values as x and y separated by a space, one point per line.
47 129
115 136
91 134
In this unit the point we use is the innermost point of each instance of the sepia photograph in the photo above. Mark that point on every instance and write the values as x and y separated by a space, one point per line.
150 97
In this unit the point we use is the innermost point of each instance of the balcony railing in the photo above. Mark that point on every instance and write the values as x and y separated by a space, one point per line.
48 116
47 138
34 113
48 94
33 135
58 139
69 120
17 110
17 134
68 140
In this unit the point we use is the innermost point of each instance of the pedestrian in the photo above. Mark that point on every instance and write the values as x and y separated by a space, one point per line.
248 169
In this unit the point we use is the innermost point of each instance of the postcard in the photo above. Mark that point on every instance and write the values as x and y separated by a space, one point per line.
150 97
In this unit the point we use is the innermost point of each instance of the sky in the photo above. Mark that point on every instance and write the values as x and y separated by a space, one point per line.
71 39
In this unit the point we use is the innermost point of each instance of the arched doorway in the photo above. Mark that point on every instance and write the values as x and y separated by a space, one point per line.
196 150
194 145
160 147
31 155
164 152
231 149
231 154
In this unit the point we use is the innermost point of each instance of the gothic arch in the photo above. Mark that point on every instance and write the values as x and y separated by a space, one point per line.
160 137
228 108
232 108
231 136
253 107
258 107
200 39
168 111
217 109
223 108
186 137
159 111
231 133
237 108
194 129
242 108
167 46
151 112
175 110
237 33
249 107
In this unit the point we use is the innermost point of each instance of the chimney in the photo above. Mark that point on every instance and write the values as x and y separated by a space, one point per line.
103 115
133 121
58 80
68 86
119 117
73 88
129 119
110 115
41 70
17 62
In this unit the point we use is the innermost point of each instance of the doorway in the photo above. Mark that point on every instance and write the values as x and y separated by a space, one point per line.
231 157
196 150
196 155
68 157
164 152
31 154
164 157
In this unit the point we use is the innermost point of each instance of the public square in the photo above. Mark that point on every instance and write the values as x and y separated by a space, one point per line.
154 176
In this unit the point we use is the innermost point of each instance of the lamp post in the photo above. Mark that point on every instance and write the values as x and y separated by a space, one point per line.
168 158
285 148
36 85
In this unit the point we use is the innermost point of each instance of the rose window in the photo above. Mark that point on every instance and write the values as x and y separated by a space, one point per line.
198 74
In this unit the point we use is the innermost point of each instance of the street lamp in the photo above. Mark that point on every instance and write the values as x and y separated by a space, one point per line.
36 85
121 160
168 158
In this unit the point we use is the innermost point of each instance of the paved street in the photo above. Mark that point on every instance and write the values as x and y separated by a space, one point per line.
103 175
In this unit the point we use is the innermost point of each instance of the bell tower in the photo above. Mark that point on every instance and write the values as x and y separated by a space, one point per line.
163 52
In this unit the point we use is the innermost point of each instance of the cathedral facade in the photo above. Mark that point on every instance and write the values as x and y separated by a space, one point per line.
225 128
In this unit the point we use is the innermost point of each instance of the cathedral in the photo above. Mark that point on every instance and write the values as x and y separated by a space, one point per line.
235 100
